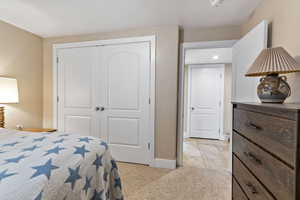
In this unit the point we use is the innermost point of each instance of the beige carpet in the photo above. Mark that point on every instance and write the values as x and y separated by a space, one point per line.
206 179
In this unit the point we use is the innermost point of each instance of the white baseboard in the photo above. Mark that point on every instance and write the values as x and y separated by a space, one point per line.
222 137
185 135
163 163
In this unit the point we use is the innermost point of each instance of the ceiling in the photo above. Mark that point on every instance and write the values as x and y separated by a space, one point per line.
49 18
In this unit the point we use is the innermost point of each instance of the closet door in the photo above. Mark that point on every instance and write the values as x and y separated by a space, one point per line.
104 92
76 95
124 106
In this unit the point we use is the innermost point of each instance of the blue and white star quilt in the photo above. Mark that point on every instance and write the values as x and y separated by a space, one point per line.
56 166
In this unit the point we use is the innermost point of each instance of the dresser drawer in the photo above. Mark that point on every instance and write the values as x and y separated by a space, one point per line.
237 193
249 183
274 174
276 135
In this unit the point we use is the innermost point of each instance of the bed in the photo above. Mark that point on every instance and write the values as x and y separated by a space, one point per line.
56 166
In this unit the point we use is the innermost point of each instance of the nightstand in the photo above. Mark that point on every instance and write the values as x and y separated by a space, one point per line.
49 130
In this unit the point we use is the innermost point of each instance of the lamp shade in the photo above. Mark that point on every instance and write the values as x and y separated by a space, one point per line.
273 61
8 90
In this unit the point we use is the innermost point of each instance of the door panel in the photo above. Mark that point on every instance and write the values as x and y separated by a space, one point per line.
123 81
244 52
75 90
125 120
123 131
205 98
78 81
78 124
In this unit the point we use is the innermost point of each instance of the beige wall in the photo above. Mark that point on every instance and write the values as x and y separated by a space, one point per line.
284 17
166 81
210 34
21 58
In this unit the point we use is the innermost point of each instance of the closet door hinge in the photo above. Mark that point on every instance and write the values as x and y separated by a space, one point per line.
149 145
57 98
149 101
57 59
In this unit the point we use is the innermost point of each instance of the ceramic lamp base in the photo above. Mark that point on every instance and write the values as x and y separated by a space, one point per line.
273 89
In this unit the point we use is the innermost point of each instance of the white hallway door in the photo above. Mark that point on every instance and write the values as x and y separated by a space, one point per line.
206 98
245 51
104 92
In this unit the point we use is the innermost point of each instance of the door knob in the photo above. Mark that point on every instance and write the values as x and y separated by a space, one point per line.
101 108
192 108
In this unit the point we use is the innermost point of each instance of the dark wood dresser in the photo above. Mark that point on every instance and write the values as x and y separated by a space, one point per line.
266 157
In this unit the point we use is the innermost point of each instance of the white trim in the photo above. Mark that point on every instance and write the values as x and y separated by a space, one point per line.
105 42
151 39
183 48
54 85
221 136
187 113
163 163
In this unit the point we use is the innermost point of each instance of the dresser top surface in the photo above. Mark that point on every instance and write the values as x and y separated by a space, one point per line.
286 106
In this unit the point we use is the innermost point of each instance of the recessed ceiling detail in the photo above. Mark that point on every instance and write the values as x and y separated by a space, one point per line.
58 17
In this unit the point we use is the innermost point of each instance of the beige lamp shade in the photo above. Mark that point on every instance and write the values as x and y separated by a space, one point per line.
8 90
273 61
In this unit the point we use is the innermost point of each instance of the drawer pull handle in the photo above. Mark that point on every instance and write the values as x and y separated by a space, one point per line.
253 157
253 126
252 188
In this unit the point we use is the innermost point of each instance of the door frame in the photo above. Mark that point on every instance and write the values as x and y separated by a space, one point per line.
221 113
181 84
152 41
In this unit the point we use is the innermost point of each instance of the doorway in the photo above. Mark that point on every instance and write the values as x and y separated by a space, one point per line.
106 89
241 55
206 96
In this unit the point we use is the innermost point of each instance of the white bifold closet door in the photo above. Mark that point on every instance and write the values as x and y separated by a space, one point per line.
104 92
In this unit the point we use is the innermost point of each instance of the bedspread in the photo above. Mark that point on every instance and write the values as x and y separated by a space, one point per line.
56 166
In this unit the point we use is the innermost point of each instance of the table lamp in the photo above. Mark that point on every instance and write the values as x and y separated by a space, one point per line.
8 94
270 63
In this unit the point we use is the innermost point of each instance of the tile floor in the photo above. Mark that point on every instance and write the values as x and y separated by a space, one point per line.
209 154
